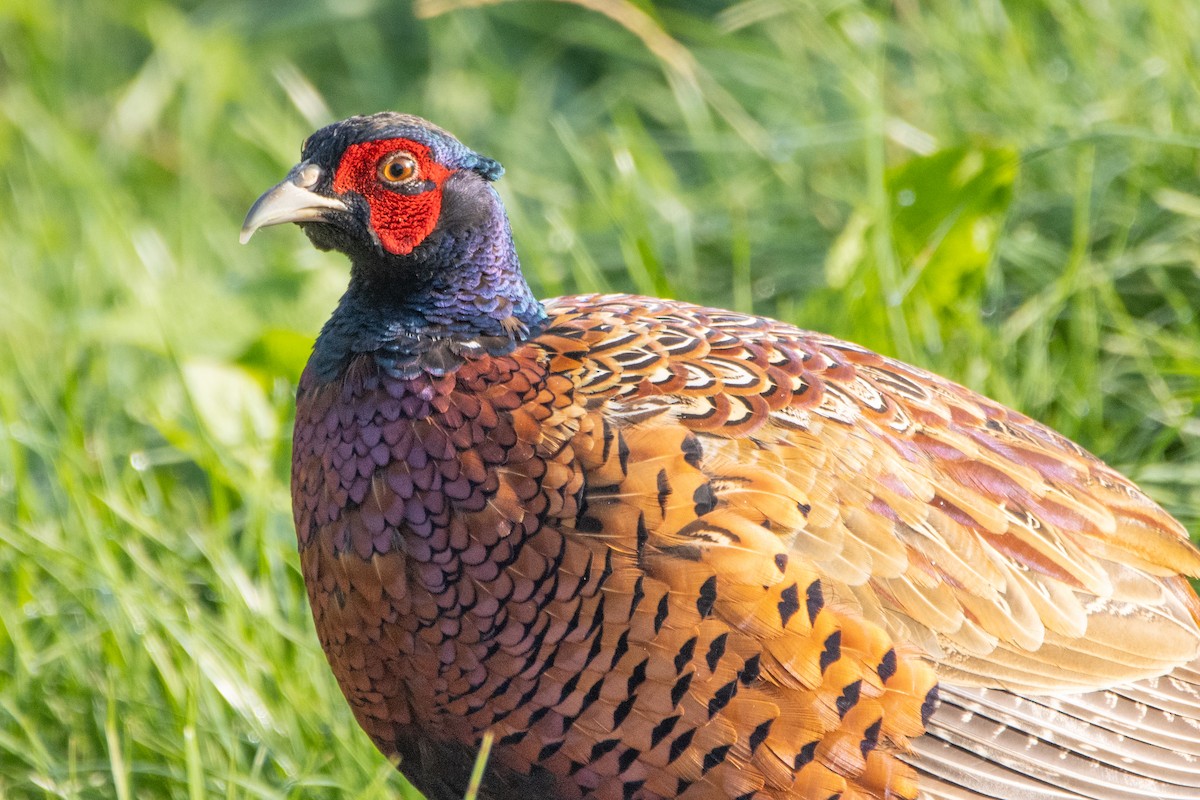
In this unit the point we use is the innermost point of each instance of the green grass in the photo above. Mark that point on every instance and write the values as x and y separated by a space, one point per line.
1005 193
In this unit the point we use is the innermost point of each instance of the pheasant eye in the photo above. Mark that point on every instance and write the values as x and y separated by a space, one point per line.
398 168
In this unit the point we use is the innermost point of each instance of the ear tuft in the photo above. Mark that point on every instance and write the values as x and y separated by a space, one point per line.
487 167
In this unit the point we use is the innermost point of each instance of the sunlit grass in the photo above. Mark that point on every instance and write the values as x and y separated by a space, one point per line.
154 636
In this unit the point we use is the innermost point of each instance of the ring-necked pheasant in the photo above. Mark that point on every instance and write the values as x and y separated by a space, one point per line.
669 551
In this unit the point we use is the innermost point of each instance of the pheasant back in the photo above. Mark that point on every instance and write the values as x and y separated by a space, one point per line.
657 551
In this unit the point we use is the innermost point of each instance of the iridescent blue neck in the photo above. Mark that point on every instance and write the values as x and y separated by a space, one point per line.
461 287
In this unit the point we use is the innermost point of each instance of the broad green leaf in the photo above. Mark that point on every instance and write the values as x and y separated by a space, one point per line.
947 210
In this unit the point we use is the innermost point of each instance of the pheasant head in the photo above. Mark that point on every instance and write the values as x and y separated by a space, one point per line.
415 211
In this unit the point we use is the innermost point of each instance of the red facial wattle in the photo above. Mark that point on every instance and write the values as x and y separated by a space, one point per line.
401 221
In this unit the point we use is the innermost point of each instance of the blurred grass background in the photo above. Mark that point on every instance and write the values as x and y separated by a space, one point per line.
1006 193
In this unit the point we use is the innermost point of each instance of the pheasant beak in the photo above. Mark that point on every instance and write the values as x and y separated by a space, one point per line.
291 200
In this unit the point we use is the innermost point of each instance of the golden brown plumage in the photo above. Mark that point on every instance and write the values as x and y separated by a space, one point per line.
667 551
